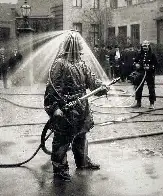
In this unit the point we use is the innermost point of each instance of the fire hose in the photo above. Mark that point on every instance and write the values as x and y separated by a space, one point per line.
44 135
137 88
47 126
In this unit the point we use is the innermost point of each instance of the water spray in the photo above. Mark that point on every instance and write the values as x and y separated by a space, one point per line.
44 136
47 125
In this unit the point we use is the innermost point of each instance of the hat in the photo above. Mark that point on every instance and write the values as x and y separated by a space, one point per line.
145 43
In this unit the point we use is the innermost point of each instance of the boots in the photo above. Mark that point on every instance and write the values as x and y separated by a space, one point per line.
137 104
89 165
61 172
151 106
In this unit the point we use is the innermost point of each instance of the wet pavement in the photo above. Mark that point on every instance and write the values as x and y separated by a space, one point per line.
131 164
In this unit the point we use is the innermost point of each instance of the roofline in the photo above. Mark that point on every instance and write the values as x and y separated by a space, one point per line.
31 17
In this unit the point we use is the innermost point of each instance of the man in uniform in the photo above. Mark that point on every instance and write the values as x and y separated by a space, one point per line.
146 63
69 78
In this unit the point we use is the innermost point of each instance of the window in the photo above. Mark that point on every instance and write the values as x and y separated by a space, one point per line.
122 35
77 3
111 32
135 33
4 33
78 27
95 33
145 1
122 31
57 12
111 35
96 4
114 4
129 2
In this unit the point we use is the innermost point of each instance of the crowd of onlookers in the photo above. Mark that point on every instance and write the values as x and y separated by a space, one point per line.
9 61
116 62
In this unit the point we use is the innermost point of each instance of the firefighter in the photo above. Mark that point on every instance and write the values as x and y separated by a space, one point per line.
145 62
69 78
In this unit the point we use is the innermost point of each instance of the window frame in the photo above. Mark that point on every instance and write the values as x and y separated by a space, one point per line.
129 3
5 33
96 4
77 3
95 31
122 34
135 33
113 4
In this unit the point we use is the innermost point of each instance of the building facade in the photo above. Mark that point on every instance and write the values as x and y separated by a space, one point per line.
137 20
99 21
41 18
132 20
7 25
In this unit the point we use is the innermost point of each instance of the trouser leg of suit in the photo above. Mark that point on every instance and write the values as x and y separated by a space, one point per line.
150 78
138 95
80 150
4 77
112 71
60 147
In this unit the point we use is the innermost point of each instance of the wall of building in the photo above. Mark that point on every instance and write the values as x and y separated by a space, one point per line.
57 12
7 21
85 15
143 14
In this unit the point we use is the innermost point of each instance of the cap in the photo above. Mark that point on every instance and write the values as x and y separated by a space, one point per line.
145 43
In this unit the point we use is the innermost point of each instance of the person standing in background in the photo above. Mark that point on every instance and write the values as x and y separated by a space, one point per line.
128 57
146 64
4 66
15 60
117 56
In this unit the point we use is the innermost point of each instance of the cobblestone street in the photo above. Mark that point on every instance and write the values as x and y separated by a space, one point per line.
130 161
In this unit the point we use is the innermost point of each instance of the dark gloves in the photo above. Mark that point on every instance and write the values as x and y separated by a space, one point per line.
102 92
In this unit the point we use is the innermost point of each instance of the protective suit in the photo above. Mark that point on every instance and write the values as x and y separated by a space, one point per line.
69 78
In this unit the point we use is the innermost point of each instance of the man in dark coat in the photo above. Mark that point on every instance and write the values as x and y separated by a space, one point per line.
15 60
96 52
146 63
128 59
115 62
69 78
4 66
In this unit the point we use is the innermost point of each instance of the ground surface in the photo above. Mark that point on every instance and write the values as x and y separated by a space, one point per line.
129 167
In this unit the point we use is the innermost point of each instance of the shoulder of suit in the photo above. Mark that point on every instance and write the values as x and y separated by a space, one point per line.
59 61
